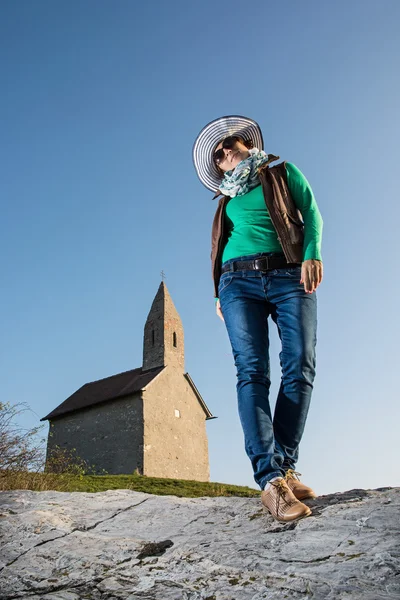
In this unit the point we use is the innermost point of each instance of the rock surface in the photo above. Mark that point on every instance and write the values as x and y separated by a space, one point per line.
122 544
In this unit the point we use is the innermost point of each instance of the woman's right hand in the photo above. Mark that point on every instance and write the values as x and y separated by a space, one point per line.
218 310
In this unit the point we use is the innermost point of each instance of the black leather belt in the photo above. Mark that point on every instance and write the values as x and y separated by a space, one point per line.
264 263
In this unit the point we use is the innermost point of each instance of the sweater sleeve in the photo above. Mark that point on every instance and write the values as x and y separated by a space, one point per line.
304 200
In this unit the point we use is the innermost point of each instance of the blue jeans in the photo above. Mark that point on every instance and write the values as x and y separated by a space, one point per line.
247 299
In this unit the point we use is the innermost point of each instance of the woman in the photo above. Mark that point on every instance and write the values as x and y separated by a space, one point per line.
266 261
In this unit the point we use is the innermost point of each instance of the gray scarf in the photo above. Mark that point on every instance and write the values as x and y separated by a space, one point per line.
244 177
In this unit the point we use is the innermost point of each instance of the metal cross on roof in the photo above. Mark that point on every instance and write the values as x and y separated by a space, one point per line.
163 275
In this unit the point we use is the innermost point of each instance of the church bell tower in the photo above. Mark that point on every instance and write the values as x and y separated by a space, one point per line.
163 342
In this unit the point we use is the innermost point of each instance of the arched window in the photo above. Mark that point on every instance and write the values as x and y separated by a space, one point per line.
152 337
174 339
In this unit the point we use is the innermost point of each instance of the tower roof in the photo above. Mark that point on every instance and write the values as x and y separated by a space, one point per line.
164 297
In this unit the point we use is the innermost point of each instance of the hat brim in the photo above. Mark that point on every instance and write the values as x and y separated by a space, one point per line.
211 135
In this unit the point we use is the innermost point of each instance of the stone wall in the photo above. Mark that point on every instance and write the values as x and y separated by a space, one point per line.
175 443
108 436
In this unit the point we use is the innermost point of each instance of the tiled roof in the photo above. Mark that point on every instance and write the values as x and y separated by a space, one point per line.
104 390
209 414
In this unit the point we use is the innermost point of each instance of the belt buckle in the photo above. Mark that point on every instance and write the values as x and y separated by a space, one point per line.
261 264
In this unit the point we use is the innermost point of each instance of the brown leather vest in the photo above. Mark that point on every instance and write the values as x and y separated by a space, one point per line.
285 217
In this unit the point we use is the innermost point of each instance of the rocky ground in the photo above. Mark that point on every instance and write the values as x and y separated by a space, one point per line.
129 545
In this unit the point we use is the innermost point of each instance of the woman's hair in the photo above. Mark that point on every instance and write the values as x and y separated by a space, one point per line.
248 143
221 173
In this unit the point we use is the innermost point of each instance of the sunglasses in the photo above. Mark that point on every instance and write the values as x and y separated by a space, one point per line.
228 143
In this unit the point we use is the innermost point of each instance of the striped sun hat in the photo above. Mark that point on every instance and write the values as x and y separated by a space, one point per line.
211 135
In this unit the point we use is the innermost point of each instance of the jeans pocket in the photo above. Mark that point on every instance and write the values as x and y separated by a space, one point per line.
225 280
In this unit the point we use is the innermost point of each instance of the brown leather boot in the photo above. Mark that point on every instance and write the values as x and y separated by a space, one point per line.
280 501
301 491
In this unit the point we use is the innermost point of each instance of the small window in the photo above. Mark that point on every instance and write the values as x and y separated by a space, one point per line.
174 340
152 337
177 413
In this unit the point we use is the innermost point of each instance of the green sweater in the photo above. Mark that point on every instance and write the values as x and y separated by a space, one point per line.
250 229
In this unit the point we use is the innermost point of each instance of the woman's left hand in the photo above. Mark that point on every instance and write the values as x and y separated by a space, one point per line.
312 272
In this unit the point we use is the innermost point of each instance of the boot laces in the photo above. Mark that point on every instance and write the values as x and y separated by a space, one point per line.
282 490
292 474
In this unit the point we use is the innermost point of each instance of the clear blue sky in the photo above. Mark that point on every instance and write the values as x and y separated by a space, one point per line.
100 105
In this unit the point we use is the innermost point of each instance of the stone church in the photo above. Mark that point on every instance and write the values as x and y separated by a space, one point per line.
152 418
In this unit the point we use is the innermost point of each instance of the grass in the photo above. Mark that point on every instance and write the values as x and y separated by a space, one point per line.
139 483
